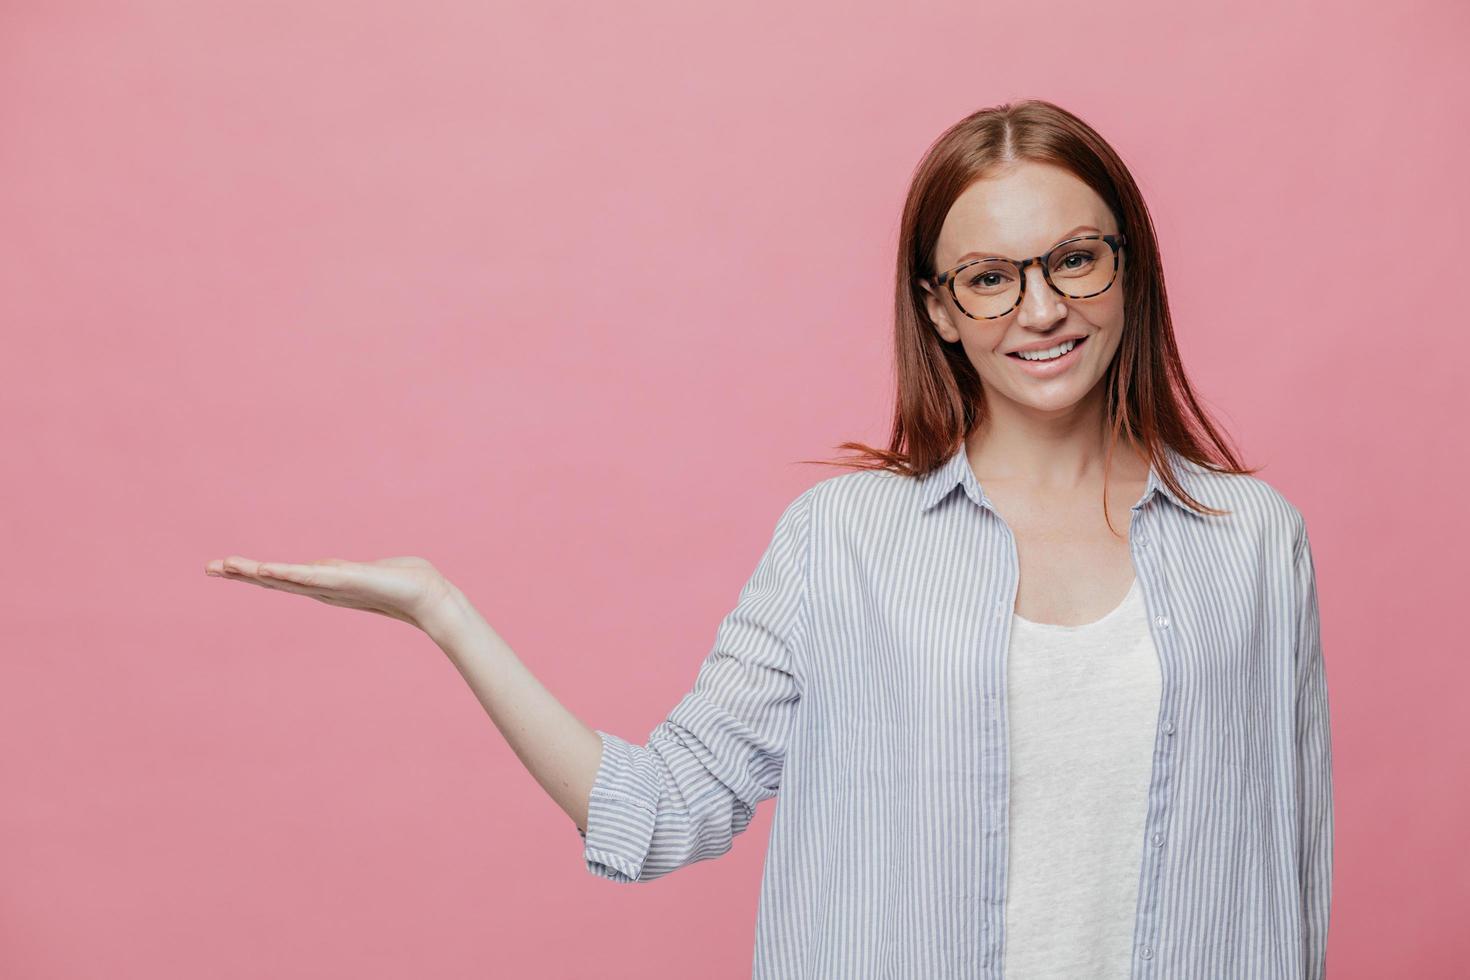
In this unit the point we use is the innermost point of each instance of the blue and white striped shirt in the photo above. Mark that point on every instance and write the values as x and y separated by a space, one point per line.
862 673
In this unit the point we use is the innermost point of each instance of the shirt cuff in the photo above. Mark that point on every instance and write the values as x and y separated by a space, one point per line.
621 810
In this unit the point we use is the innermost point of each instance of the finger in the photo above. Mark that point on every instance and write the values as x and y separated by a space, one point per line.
274 585
328 577
247 579
247 570
266 571
280 585
236 566
244 566
283 585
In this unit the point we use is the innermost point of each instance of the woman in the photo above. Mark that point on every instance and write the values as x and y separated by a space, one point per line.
1040 685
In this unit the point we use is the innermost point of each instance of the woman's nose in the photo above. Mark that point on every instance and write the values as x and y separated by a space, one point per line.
1041 306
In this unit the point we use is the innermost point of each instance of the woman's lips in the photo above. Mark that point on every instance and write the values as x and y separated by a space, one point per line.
1053 367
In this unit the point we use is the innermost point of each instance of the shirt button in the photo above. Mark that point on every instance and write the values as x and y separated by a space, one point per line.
1158 839
1163 622
1168 728
1148 952
1142 541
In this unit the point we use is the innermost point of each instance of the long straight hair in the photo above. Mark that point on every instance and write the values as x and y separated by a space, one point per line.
940 399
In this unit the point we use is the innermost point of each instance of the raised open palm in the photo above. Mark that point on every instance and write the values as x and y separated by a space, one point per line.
408 589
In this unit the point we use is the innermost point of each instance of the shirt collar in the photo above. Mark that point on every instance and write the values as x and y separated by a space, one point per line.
935 485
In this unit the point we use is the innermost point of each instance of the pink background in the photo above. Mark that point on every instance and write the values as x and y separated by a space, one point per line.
556 295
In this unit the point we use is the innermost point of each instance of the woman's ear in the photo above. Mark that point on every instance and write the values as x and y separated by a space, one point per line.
938 312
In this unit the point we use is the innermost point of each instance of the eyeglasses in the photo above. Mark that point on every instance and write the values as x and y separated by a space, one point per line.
1077 268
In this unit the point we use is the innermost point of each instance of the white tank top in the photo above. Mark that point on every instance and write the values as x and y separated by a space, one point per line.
1083 711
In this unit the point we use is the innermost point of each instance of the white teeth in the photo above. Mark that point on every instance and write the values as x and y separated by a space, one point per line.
1048 354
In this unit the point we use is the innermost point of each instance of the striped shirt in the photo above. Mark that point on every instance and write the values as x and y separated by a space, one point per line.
862 673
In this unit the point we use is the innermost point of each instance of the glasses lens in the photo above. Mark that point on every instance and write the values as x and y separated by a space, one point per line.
987 288
1082 268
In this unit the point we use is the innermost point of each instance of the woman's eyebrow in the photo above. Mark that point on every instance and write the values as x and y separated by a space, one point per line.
1059 239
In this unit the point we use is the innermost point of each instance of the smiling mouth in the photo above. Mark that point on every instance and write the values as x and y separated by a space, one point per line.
1034 360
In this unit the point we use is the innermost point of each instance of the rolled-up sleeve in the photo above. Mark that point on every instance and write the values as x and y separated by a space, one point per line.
1313 767
685 794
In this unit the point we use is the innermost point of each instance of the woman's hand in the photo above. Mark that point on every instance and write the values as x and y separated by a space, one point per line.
556 746
408 589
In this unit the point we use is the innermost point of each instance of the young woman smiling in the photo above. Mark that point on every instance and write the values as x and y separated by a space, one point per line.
1039 685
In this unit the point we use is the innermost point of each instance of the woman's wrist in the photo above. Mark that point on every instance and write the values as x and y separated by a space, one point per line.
450 619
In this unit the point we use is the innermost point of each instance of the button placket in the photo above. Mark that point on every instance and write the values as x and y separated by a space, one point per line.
998 815
1149 567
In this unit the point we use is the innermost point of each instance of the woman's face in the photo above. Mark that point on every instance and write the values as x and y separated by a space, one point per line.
1018 214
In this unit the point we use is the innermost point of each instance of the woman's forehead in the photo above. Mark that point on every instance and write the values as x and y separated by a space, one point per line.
1021 213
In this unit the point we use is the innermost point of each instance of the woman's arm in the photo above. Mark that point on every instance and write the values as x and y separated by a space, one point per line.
643 810
558 749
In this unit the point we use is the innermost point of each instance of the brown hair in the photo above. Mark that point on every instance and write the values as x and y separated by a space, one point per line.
940 399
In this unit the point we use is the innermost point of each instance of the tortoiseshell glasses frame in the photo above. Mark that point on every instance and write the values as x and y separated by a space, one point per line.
1115 242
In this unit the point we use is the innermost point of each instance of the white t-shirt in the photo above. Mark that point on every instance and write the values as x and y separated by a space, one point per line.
1083 712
